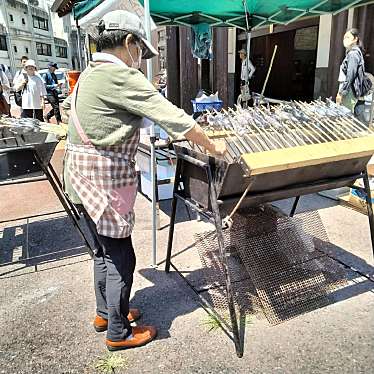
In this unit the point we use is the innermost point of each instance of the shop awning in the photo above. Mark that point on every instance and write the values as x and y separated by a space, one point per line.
222 12
232 12
79 7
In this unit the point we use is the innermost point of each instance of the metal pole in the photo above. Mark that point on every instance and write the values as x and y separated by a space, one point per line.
268 73
147 26
79 45
248 35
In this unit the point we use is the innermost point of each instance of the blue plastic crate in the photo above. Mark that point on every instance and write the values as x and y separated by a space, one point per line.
201 107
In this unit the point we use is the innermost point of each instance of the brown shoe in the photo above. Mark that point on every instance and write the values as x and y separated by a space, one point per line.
101 324
141 335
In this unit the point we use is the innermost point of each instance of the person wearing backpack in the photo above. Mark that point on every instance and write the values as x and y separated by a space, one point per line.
18 94
354 84
53 89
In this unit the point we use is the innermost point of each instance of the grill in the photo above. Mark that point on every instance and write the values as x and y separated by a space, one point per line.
18 152
277 152
272 149
25 155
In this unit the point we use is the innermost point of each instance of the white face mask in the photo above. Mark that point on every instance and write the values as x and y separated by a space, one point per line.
136 64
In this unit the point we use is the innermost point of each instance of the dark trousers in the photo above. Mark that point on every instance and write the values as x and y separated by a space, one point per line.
359 112
114 265
55 111
32 113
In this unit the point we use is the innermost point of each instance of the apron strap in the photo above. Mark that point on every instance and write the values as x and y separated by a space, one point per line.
75 119
73 113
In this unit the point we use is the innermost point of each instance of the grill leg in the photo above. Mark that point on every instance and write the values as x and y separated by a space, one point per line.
294 206
62 199
369 208
172 217
221 246
58 182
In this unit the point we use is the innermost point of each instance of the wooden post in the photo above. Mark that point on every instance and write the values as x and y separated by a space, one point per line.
363 21
188 70
205 74
220 63
339 27
172 64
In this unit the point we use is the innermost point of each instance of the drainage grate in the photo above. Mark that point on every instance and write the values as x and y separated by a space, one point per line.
273 262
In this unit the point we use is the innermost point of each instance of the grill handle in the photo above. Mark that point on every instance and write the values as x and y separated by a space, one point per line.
192 160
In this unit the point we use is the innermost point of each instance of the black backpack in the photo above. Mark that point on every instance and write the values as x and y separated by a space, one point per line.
365 83
18 94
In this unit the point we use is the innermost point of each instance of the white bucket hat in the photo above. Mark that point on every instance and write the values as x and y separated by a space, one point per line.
30 63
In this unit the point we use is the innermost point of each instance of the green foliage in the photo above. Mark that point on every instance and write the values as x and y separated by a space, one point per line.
211 323
111 362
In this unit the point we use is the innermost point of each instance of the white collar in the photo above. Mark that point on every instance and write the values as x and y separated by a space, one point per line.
107 57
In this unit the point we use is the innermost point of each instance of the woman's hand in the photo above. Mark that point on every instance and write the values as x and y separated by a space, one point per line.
217 148
198 136
339 99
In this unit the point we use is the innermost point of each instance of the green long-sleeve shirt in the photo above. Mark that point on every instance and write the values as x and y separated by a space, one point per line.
111 102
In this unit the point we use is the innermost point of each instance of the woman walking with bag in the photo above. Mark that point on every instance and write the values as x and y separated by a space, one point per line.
353 82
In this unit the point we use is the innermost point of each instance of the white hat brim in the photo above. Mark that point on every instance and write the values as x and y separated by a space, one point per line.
150 51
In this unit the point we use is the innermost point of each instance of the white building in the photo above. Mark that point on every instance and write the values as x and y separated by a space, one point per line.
29 28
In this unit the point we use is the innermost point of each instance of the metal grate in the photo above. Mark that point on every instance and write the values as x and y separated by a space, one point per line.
274 262
245 295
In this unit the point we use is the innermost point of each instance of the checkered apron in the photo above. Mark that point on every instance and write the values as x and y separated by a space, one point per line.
104 179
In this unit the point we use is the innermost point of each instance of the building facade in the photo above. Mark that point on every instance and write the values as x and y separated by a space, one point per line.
29 28
306 64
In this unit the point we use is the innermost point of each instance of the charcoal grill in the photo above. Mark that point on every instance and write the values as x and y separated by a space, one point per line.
25 158
271 156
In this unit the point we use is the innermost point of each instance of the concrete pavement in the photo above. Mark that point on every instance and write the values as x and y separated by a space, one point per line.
46 315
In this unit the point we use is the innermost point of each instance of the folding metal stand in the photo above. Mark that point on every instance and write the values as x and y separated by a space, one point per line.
214 216
42 171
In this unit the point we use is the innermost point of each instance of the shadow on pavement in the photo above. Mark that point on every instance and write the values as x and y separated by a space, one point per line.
41 241
168 298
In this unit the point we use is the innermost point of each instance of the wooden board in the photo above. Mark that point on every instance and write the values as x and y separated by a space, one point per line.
347 202
315 154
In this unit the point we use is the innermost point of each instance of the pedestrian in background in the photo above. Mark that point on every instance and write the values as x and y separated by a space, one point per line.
53 89
33 92
247 71
6 70
4 93
354 84
22 71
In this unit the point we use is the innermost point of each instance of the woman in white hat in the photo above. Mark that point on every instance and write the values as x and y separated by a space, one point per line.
33 92
107 109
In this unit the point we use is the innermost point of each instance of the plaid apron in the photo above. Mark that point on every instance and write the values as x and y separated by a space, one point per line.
104 179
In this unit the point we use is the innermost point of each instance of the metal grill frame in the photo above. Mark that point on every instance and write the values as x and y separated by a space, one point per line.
43 171
214 211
